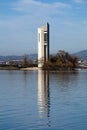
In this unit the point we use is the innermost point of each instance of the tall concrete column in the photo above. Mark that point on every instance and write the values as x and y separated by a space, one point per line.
43 45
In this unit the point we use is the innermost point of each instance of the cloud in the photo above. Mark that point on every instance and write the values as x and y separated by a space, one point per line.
20 28
79 1
31 6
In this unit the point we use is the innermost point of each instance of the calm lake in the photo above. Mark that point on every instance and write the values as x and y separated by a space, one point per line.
42 100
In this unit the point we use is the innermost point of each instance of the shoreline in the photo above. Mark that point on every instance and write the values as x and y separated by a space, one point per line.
36 68
30 68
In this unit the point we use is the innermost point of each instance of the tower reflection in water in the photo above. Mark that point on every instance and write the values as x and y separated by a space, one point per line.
43 94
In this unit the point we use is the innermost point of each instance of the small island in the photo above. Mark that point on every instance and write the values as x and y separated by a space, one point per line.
61 61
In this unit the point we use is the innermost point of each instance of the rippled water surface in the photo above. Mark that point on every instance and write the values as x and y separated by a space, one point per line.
39 100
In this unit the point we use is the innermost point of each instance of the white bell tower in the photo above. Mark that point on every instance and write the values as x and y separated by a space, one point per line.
43 45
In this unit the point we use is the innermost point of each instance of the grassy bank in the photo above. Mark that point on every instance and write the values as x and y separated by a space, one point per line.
7 67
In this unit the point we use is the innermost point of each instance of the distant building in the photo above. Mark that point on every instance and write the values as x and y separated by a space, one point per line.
43 45
2 63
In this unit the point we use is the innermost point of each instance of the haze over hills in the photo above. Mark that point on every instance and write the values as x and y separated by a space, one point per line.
15 57
81 54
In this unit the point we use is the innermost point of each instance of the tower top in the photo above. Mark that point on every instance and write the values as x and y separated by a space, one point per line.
47 23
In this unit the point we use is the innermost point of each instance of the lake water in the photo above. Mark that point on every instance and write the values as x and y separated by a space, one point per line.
41 100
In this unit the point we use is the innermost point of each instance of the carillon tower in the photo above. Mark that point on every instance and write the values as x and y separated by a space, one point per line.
43 45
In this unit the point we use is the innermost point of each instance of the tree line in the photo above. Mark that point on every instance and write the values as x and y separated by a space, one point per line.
61 61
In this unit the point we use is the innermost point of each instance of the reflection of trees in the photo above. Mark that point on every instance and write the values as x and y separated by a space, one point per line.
65 79
43 94
27 77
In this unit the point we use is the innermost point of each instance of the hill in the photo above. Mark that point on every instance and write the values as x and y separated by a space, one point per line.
15 57
81 54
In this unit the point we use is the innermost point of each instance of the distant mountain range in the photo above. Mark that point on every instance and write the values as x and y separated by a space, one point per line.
81 54
15 57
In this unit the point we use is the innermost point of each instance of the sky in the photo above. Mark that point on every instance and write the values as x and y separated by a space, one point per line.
20 19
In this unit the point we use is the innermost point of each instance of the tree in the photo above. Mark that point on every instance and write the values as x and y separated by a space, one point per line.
25 61
62 60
